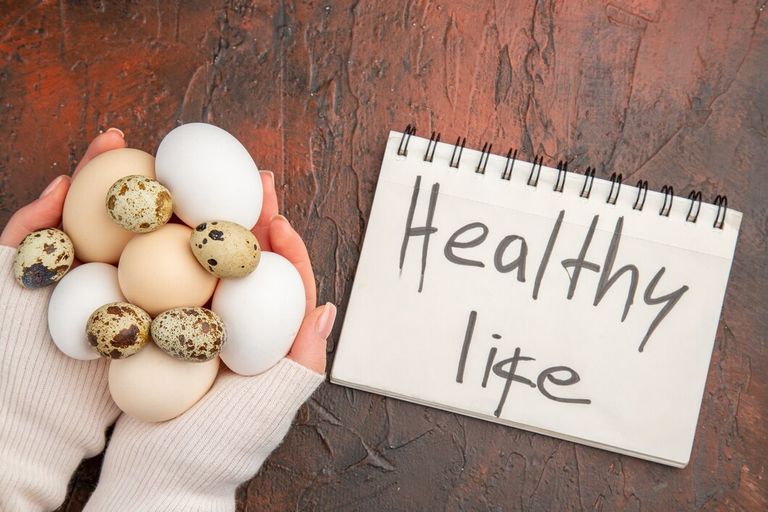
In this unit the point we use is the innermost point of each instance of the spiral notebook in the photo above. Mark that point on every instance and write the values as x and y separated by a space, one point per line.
537 297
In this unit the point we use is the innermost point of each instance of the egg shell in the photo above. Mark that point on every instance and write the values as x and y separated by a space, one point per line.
191 334
225 249
210 175
139 204
43 257
153 386
85 219
263 312
118 330
78 294
158 272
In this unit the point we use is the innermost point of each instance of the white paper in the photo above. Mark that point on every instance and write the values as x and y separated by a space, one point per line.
406 343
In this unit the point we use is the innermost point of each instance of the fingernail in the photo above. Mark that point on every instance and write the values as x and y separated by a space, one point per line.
324 324
271 176
117 131
52 186
279 216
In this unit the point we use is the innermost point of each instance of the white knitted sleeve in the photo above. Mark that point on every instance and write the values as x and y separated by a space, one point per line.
53 409
196 461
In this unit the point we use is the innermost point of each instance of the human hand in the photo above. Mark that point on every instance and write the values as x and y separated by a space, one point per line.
196 461
53 409
273 231
276 234
45 211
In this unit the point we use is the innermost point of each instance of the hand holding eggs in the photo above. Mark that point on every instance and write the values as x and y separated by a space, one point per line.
148 313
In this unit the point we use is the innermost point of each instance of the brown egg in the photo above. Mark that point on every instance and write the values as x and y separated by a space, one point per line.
157 271
153 386
95 235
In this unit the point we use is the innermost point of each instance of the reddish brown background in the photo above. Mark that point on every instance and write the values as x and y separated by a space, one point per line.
670 91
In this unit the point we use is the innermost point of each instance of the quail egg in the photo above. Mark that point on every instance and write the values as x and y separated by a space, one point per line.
118 330
139 204
43 257
225 249
191 334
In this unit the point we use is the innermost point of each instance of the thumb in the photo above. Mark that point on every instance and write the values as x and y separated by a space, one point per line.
309 347
44 212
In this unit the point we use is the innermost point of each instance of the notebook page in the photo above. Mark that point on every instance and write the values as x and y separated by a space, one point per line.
547 311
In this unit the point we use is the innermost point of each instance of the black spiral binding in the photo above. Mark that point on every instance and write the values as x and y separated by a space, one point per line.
615 182
669 196
402 150
460 143
433 140
642 191
562 170
509 165
589 178
694 197
533 177
482 164
722 203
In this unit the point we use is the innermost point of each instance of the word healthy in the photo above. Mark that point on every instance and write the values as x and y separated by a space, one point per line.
515 246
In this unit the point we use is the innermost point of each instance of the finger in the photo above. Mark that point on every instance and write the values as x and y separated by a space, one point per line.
113 138
44 212
309 347
287 243
268 209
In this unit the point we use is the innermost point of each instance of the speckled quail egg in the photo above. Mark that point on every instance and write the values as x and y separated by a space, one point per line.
191 334
43 257
139 204
118 330
225 249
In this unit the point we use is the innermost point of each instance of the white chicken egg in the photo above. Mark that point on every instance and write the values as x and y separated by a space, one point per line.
263 312
77 295
210 175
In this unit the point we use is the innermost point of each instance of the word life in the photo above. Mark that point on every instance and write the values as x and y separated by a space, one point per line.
507 369
511 256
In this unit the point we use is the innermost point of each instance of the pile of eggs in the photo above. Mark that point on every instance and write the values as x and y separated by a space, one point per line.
166 301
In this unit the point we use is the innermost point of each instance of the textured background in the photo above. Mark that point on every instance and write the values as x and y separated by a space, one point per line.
667 90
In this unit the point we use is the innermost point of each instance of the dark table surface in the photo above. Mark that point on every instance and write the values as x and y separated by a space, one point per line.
672 92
